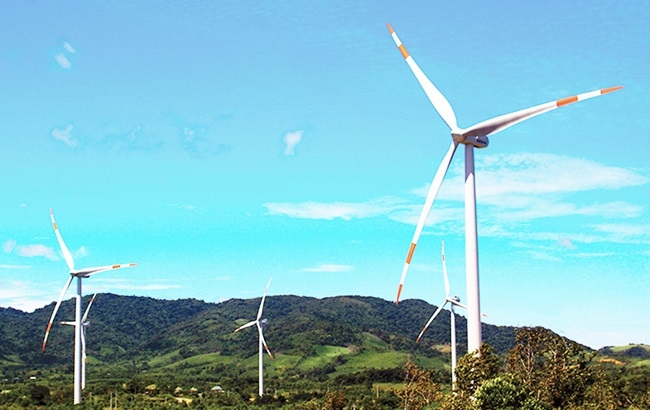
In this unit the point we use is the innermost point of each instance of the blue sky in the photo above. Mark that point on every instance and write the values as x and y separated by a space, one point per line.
218 144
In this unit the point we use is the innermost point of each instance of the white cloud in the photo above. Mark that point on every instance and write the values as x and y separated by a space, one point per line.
512 192
8 246
63 61
65 136
186 207
69 48
332 268
292 139
335 210
565 242
543 256
22 295
111 284
624 232
81 252
188 134
31 251
502 177
14 267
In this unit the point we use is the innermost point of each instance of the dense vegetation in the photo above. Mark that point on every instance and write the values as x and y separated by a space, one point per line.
340 352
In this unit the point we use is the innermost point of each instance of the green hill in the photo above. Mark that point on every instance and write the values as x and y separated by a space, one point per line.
168 332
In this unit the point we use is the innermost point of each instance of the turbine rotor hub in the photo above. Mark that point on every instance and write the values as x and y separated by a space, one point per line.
477 142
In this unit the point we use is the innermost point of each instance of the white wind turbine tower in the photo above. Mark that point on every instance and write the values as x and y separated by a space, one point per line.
260 323
79 274
474 136
84 325
453 301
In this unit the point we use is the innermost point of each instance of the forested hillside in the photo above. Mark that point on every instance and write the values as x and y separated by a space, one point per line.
346 350
124 327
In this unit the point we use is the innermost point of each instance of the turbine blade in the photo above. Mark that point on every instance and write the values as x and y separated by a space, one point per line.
56 309
85 272
430 321
249 324
444 271
460 305
83 343
259 311
500 123
438 100
64 249
428 203
85 316
264 342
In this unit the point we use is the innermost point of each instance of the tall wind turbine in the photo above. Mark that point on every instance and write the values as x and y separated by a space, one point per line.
84 325
79 274
453 301
260 323
474 136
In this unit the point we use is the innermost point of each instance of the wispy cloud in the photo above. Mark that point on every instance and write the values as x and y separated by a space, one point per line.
15 267
23 295
8 246
331 268
506 176
81 252
198 143
61 57
565 242
513 191
68 48
63 61
65 135
335 210
36 250
112 284
185 207
291 139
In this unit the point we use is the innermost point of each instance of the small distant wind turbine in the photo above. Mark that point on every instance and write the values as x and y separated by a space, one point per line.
453 301
474 136
84 325
79 274
260 323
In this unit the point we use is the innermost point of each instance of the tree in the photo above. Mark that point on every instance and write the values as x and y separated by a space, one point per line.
504 393
419 390
558 371
334 400
472 370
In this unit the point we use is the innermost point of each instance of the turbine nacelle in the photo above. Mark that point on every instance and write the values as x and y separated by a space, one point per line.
478 142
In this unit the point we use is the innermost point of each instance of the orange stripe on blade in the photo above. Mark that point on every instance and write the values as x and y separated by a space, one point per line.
399 292
402 50
567 101
410 254
390 28
116 266
610 89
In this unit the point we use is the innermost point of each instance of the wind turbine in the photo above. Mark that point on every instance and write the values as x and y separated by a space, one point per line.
84 325
453 301
260 323
474 136
79 274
